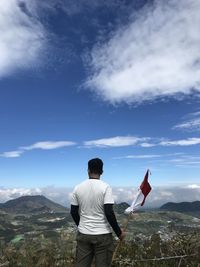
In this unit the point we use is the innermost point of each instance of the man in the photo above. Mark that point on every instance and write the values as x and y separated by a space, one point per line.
92 210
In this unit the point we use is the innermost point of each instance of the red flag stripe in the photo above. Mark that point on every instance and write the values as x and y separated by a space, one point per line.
145 187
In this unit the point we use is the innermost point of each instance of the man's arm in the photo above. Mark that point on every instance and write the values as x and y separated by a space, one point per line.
75 214
110 215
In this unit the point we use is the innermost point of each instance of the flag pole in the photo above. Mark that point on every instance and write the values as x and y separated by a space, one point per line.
120 242
144 188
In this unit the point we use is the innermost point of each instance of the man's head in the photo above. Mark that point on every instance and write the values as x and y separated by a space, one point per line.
95 166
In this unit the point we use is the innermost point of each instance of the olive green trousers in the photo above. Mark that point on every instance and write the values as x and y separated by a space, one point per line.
94 247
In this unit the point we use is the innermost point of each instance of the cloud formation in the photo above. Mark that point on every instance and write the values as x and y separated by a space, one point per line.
183 142
157 55
11 154
146 142
194 186
185 161
110 142
191 123
147 156
117 141
11 193
22 37
47 145
172 159
157 197
44 145
58 194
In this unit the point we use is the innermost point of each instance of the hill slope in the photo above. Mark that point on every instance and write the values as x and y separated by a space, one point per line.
120 208
182 206
31 204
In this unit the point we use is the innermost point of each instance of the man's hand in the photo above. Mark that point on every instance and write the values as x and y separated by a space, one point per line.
122 236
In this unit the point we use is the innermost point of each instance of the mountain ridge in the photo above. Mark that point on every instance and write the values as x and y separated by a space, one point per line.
31 204
181 206
41 204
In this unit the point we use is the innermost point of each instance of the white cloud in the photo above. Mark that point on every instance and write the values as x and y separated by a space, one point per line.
179 160
120 141
58 194
117 141
11 193
156 55
183 142
157 197
192 123
149 156
22 37
185 163
11 154
194 186
147 144
46 145
189 125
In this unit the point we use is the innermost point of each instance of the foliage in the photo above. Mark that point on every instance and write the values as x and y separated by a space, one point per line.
42 252
156 252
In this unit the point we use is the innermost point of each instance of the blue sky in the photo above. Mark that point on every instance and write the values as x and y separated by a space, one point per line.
119 80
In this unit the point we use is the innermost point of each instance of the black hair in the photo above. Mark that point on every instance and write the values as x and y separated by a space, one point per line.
95 166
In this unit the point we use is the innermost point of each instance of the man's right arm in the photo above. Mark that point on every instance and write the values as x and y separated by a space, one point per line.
75 207
75 214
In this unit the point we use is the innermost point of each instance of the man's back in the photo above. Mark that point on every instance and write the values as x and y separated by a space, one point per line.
90 196
92 211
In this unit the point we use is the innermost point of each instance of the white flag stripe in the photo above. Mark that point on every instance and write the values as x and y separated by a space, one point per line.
136 204
138 200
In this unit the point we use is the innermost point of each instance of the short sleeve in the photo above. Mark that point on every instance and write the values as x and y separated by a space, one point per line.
108 197
74 200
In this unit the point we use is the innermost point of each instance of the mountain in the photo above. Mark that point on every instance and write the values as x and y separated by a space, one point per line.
182 206
120 208
31 204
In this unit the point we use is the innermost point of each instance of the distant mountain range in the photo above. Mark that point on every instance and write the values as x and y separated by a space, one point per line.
31 204
182 206
41 204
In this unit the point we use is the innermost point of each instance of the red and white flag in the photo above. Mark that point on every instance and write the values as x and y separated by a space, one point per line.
143 191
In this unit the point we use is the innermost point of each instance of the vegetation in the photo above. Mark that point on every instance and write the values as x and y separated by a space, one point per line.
46 238
182 250
40 252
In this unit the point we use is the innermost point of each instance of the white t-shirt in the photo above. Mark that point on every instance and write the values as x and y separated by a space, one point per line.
90 196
